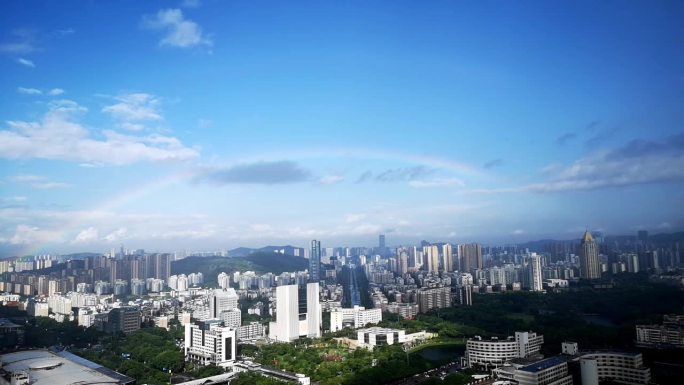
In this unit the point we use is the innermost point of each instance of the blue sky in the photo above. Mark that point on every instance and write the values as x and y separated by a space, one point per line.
208 124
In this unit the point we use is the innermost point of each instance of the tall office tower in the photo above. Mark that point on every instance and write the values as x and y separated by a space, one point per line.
286 326
313 310
431 258
222 300
535 271
590 267
381 242
315 261
470 257
298 312
447 257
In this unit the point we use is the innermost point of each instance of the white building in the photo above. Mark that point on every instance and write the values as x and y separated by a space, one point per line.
221 300
535 271
224 280
252 331
208 342
377 336
298 313
622 367
356 317
548 371
496 352
231 318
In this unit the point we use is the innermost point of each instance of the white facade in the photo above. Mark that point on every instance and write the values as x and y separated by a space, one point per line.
626 368
231 318
222 300
535 273
207 342
496 352
224 280
550 371
286 326
357 316
377 336
290 324
313 310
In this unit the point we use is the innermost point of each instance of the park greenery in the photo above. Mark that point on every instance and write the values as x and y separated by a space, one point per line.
595 318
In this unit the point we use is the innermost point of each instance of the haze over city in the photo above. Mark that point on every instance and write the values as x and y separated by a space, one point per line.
208 124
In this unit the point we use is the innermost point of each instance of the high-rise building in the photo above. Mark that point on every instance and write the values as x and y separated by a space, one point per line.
286 326
431 254
315 261
223 280
381 242
535 272
433 298
313 311
403 262
470 256
590 266
298 313
447 257
222 300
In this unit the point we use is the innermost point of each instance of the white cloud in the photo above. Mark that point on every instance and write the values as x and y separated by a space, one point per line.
179 32
86 236
13 199
353 218
55 92
23 41
50 185
39 182
136 107
518 232
60 136
26 62
29 91
260 227
439 182
28 178
116 235
25 234
331 179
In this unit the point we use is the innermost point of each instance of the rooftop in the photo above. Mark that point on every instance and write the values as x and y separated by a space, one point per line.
545 364
48 368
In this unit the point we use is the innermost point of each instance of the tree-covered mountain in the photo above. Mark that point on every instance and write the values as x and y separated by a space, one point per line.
260 262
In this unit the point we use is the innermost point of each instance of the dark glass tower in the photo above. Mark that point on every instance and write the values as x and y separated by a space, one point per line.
315 261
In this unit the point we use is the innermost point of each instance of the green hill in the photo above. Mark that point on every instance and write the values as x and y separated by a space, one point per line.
260 262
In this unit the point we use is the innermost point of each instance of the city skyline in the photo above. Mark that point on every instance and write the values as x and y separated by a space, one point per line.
209 125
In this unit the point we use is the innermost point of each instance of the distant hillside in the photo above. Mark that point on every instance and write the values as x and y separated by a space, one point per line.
81 255
260 262
245 251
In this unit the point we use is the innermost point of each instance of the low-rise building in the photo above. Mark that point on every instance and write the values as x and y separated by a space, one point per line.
208 342
43 367
549 371
668 335
495 352
377 336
